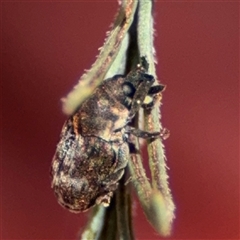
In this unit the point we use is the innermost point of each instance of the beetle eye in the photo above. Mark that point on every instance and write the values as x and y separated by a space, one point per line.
128 89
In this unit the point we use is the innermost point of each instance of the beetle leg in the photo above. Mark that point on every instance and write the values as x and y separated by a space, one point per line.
104 199
163 133
142 134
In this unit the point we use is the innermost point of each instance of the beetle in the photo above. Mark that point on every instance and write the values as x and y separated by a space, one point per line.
93 150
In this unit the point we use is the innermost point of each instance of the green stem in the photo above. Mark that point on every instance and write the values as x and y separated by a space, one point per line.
109 231
124 215
95 224
156 153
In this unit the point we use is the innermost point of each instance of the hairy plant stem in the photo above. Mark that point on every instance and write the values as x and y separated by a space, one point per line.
156 153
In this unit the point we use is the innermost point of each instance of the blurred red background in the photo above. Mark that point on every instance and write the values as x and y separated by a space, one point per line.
47 45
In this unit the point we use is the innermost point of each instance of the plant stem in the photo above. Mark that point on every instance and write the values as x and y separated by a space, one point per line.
124 214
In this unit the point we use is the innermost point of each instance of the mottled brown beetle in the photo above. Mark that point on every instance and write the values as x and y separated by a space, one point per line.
94 147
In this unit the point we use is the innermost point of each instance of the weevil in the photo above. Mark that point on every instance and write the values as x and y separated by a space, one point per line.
93 150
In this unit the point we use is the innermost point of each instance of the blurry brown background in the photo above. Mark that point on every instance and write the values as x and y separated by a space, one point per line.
47 45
